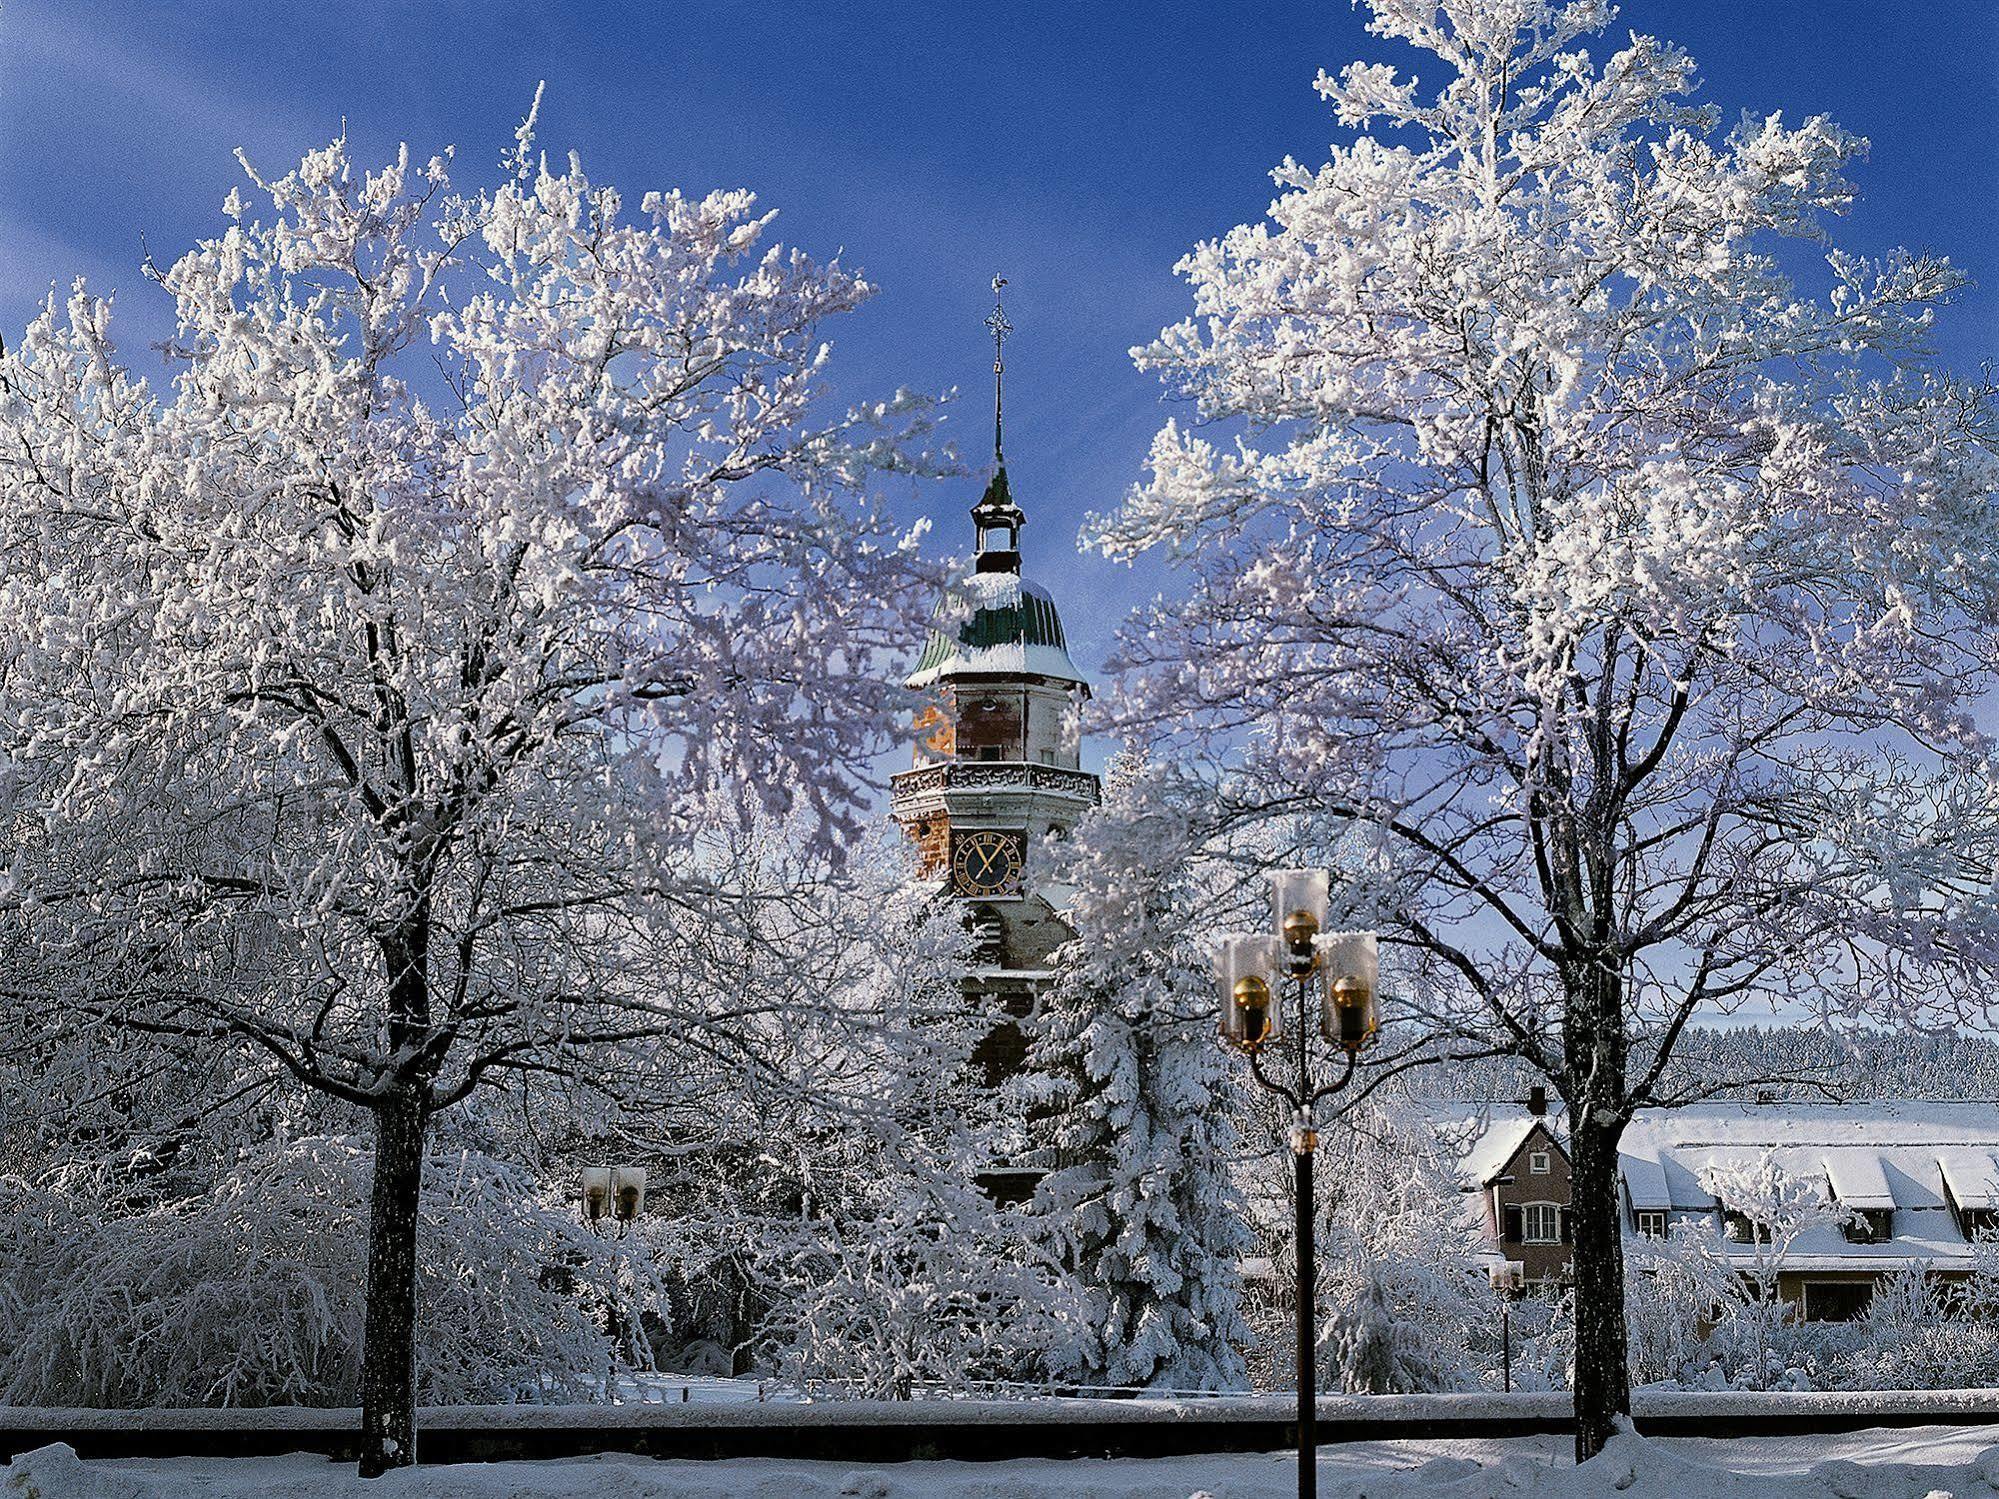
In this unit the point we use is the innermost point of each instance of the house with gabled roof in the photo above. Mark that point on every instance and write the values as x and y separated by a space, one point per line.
1519 1167
1920 1182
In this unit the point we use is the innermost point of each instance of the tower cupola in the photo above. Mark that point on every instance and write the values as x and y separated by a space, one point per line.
998 521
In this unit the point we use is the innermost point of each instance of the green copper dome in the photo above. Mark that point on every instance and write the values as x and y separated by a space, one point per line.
1004 624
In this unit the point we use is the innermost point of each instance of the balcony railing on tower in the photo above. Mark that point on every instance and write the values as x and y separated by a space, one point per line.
994 775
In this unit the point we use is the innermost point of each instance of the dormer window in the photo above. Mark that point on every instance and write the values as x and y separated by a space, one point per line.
1740 1228
1870 1226
1651 1223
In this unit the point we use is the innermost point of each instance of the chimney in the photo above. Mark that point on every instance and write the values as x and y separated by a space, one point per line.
1537 1100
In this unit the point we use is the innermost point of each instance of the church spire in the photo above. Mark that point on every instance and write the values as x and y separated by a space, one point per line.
999 327
996 516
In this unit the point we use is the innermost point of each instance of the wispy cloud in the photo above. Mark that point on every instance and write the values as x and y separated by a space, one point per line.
60 52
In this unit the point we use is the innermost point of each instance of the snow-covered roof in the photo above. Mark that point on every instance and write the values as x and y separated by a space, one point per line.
1858 1180
998 623
1972 1176
1497 1144
1645 1183
1882 1156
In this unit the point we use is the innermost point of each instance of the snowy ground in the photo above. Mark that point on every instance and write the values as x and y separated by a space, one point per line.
1935 1462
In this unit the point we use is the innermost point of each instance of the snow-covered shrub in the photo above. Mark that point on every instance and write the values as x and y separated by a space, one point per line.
1403 1305
1916 1337
251 1293
929 1285
1668 1307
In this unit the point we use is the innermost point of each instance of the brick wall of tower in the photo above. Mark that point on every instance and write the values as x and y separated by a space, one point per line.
931 835
989 725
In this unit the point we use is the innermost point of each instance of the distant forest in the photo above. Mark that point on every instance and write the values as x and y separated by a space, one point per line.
1784 1063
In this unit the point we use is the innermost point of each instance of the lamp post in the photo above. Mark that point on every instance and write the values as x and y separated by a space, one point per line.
1333 980
1506 1279
619 1194
615 1192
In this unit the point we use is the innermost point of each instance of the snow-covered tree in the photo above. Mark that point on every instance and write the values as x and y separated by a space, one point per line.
1404 1303
907 1275
816 1177
247 1289
1765 1211
1403 1299
363 685
1621 599
1132 1094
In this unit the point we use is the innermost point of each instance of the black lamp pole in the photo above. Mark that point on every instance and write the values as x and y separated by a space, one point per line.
1341 968
1304 1144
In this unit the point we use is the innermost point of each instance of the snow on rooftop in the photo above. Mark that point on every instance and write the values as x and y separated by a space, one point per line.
1011 656
1972 1176
1879 1155
1753 1126
1645 1181
1497 1145
1857 1179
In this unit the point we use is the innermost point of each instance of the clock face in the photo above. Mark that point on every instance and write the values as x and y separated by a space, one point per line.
987 862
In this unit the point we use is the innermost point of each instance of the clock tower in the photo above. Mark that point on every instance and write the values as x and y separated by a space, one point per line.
998 757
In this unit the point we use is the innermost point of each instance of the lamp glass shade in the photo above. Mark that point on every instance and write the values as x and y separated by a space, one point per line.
1351 965
1295 890
1241 963
628 1192
596 1192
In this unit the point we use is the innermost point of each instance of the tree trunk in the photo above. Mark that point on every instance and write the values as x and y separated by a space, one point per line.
1603 1373
388 1352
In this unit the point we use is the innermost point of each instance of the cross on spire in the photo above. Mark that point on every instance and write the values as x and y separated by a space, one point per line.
999 327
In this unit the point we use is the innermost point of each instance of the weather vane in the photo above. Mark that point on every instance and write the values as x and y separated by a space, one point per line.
1000 328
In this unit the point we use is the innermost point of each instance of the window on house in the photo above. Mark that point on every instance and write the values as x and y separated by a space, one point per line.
1836 1300
1651 1223
1540 1223
1871 1226
1743 1229
1538 1163
989 752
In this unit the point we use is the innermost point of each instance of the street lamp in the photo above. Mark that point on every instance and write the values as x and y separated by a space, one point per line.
1334 974
1507 1278
617 1192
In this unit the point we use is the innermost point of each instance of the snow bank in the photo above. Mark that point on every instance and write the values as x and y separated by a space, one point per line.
1632 1467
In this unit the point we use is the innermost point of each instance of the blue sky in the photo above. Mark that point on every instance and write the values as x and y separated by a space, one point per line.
1079 148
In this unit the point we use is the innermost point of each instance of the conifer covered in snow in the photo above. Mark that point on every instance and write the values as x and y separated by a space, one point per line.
1619 602
1402 1292
1133 1093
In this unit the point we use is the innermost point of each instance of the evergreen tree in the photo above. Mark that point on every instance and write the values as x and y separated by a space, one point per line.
1129 1088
